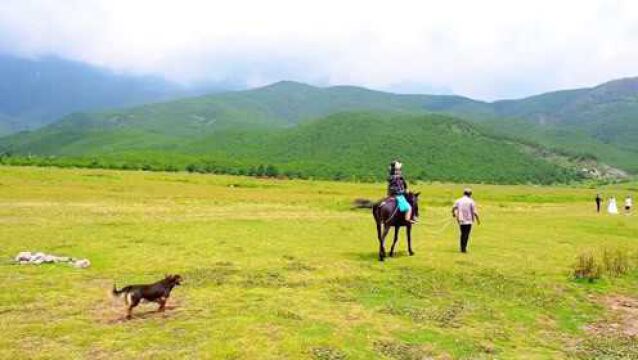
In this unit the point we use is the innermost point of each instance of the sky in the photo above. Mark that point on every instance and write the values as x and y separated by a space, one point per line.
482 49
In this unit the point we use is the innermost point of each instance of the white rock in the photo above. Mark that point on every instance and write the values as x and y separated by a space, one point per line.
27 257
23 256
82 264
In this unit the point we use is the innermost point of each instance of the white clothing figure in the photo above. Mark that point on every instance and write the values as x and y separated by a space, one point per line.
612 208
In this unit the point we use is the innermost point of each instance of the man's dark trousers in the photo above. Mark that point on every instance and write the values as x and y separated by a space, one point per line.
465 236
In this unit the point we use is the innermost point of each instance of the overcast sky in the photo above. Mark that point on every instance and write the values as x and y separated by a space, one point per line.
482 49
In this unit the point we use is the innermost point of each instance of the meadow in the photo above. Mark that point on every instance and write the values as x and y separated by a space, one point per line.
287 269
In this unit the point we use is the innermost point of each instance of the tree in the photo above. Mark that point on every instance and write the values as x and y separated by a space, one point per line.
271 171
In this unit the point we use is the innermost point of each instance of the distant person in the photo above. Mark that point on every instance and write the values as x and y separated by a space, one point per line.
611 207
397 187
464 210
628 204
599 202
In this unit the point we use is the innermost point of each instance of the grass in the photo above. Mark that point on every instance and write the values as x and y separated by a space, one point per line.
285 269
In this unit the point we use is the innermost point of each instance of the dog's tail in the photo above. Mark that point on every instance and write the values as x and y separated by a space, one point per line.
117 293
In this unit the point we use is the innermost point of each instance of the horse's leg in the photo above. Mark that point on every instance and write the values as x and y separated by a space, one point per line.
386 228
378 223
377 220
394 242
409 235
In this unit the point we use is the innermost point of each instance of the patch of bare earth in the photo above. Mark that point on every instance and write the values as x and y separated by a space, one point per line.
615 336
114 311
622 319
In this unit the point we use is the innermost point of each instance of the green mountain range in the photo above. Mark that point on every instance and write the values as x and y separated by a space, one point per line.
346 131
601 121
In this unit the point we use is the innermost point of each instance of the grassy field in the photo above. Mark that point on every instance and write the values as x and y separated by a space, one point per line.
286 269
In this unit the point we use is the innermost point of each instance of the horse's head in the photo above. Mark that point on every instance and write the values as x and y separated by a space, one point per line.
413 199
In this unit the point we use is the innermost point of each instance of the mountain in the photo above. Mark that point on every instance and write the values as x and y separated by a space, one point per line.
8 124
280 105
359 144
601 121
342 145
35 92
251 127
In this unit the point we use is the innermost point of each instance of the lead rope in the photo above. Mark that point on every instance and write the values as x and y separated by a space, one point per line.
441 229
396 208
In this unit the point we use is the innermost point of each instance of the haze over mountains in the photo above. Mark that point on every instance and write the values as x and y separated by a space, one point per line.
342 131
36 92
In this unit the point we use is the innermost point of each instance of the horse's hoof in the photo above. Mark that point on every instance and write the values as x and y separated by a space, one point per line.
412 253
391 254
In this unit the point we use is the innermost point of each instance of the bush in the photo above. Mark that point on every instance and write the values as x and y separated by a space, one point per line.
587 268
613 263
616 263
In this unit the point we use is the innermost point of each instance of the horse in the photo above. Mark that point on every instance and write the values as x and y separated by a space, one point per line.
386 215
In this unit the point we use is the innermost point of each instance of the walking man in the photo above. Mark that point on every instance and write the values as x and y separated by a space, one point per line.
599 201
464 210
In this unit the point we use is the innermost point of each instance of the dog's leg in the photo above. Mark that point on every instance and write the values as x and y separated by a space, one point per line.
162 304
134 301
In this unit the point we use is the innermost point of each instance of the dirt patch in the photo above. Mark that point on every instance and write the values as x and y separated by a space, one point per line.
114 311
622 319
616 335
327 353
169 311
403 351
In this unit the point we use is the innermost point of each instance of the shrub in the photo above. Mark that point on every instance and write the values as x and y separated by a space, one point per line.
616 263
587 268
613 263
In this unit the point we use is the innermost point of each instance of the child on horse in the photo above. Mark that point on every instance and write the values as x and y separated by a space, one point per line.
397 187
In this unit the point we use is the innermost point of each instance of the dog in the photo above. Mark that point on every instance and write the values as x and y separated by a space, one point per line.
157 292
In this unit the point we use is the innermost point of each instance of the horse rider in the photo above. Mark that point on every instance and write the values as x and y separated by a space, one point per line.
397 187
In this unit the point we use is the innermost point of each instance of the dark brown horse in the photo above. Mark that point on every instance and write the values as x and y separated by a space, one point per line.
386 215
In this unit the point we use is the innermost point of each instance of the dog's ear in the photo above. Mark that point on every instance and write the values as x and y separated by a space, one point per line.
417 194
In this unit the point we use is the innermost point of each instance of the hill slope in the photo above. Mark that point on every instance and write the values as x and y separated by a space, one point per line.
280 105
343 145
358 144
38 92
601 121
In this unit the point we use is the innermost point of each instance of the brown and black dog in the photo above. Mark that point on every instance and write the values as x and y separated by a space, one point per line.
157 292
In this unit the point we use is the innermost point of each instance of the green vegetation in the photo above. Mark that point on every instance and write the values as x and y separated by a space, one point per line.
281 126
285 269
602 121
354 145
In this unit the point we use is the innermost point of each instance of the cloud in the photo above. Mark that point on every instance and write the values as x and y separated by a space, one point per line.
484 49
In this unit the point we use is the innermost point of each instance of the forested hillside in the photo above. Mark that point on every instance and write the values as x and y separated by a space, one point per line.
346 131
